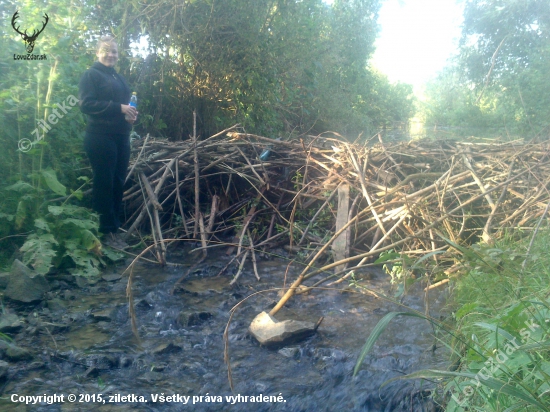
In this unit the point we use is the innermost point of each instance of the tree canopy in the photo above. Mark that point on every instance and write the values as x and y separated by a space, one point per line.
277 67
500 77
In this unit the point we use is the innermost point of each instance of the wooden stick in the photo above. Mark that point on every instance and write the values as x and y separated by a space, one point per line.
156 191
250 240
203 235
364 187
197 177
302 275
179 200
137 160
241 265
162 259
213 211
437 284
150 193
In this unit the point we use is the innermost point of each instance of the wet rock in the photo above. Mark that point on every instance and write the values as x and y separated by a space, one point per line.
4 279
16 354
65 277
289 352
142 304
81 282
105 315
56 305
25 285
192 318
111 277
270 332
55 284
125 362
4 366
69 295
164 348
9 322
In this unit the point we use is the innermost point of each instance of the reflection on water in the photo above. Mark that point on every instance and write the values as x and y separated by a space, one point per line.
176 356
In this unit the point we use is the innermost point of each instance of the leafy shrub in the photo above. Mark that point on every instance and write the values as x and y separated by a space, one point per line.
67 237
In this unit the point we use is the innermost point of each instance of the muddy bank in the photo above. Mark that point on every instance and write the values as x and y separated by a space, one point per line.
79 341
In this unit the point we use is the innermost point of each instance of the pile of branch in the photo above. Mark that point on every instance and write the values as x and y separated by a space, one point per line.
411 197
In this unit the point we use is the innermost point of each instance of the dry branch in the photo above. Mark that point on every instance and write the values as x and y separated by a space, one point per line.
408 196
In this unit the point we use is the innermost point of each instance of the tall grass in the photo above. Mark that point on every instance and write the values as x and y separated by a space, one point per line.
499 341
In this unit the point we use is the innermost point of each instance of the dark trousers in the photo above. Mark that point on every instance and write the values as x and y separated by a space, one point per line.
109 154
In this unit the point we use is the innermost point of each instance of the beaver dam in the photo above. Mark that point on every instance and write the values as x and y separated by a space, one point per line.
336 205
212 216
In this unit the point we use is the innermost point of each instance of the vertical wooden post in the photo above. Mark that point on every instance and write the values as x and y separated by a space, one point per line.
340 246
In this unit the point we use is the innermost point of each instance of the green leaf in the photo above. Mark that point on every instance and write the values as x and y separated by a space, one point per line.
21 187
42 224
535 346
377 331
38 252
79 194
9 218
112 254
465 310
384 257
426 256
89 240
56 210
20 214
492 383
81 223
495 328
51 180
86 263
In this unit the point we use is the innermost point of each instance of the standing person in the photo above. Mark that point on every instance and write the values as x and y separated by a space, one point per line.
104 97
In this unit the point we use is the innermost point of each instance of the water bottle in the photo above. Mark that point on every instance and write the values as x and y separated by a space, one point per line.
267 151
133 103
133 100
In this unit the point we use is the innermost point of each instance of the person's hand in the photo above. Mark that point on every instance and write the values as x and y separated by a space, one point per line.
130 113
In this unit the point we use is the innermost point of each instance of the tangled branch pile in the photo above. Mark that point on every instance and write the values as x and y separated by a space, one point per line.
411 197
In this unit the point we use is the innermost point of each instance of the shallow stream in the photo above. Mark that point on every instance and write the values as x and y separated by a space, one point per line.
85 345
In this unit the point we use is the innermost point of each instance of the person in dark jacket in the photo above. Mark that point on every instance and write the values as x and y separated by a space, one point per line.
104 96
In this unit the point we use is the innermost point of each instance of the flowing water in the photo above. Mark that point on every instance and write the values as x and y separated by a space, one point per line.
89 347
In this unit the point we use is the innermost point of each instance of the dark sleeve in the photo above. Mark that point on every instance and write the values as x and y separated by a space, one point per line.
92 97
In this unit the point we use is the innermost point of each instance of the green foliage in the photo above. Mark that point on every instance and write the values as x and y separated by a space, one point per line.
503 322
400 267
499 79
67 237
276 67
500 339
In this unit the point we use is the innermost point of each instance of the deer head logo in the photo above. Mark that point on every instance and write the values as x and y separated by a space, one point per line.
29 40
